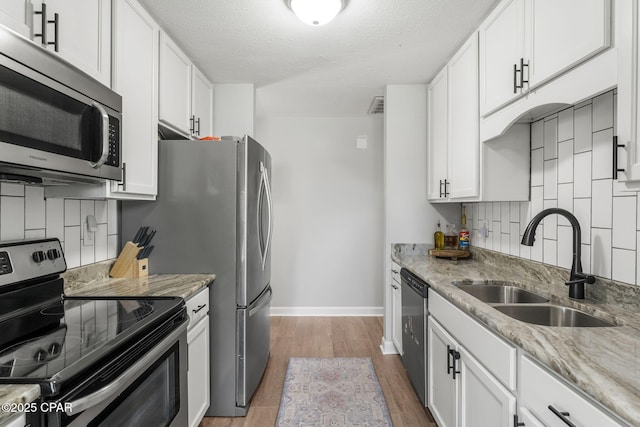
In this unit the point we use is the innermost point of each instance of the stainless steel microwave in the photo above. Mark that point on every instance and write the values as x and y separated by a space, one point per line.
57 124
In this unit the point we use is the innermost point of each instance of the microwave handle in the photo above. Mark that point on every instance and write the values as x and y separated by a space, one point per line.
105 136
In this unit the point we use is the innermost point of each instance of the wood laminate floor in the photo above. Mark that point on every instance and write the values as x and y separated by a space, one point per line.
329 337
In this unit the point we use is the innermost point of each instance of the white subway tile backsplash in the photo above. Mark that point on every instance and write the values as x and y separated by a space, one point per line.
525 215
72 245
537 250
586 257
9 189
537 134
505 242
551 139
624 223
582 175
601 212
505 216
71 212
514 212
34 208
582 129
603 112
11 218
551 179
565 161
537 200
601 252
26 214
602 155
496 241
565 246
565 124
565 201
55 218
514 238
550 221
582 212
550 252
624 263
537 167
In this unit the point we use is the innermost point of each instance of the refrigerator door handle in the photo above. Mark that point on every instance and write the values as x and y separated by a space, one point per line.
270 204
264 184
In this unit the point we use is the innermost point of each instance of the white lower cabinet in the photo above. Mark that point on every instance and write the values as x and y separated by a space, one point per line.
553 402
462 392
198 342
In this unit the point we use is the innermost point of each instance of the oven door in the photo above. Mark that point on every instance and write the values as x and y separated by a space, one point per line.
152 392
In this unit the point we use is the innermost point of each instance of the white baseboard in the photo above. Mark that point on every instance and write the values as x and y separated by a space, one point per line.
327 311
387 347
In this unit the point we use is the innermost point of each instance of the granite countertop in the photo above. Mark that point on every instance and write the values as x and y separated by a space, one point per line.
94 280
602 362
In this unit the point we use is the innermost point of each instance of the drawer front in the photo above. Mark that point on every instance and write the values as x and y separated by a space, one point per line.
495 354
198 306
540 389
395 271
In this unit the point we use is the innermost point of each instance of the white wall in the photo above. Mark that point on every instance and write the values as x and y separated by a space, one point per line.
233 109
408 217
25 214
327 241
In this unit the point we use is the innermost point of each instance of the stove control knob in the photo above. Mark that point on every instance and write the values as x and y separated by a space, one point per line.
38 256
53 254
54 349
40 356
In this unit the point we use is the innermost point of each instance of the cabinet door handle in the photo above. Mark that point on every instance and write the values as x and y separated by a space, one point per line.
456 357
198 122
200 307
43 24
446 192
449 367
441 192
516 422
522 80
515 78
562 415
123 183
55 23
616 169
192 124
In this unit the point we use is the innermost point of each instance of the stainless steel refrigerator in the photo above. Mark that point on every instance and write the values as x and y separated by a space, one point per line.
213 214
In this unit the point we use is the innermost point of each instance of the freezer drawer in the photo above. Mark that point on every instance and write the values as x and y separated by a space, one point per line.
253 344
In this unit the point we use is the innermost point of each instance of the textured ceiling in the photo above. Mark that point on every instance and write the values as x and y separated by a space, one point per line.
332 70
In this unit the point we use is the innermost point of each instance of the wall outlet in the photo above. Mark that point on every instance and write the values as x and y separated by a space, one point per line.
90 227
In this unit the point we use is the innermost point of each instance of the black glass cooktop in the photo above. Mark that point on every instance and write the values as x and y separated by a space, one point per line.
61 339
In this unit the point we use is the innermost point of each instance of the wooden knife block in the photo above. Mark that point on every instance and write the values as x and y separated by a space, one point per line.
127 265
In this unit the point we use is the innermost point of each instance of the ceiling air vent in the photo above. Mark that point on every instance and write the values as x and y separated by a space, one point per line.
377 105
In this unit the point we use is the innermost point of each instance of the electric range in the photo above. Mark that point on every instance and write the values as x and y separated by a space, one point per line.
93 358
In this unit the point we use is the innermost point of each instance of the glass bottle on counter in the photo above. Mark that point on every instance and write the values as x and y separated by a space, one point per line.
463 235
451 237
438 238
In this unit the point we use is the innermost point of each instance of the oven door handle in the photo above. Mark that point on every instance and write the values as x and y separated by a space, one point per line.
124 380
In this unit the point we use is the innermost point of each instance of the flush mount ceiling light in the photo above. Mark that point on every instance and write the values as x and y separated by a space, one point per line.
316 12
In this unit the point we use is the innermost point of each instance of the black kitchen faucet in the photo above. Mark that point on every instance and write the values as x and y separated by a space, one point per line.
577 278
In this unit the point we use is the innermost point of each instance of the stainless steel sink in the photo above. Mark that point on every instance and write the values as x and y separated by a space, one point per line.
552 315
500 293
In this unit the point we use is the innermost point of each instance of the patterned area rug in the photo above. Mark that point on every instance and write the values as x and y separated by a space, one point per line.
332 392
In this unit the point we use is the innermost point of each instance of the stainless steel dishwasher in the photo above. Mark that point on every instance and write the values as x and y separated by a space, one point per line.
414 330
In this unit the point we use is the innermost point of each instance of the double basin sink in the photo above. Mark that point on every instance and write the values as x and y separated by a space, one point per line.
527 306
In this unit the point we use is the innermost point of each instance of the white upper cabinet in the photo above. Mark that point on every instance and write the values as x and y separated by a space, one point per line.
437 136
525 43
564 34
81 33
14 14
186 96
463 160
453 147
136 79
501 47
175 86
201 104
